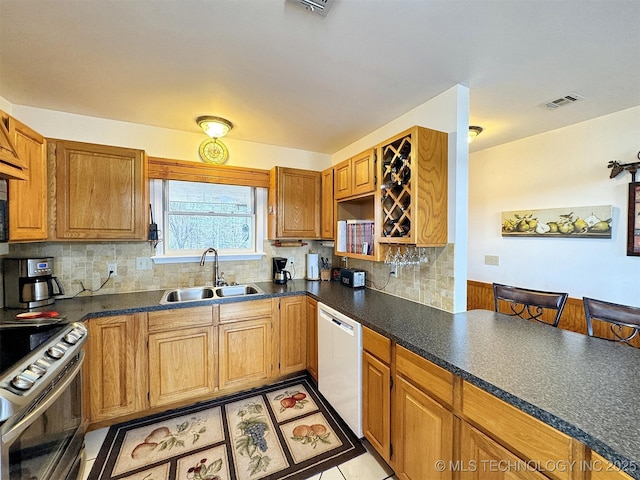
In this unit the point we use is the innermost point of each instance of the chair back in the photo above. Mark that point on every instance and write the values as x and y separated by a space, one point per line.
530 304
624 320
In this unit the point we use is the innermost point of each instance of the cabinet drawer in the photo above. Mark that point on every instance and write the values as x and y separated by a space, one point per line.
433 379
527 437
605 470
181 318
233 312
376 344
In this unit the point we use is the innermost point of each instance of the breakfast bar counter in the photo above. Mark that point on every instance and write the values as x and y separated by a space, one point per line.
586 387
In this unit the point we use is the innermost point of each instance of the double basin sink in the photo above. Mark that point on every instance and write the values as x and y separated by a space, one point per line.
193 294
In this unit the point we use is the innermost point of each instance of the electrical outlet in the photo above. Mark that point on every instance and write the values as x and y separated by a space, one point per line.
291 261
112 267
144 263
394 273
492 260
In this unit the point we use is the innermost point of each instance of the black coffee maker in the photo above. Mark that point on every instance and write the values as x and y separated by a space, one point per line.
280 275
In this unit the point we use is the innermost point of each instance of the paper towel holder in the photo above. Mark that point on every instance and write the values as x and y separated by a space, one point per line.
313 271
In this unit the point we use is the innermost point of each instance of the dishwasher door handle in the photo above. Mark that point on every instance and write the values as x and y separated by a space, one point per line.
344 326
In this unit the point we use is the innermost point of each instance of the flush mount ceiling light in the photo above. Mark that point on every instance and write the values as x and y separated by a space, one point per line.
215 127
473 133
213 150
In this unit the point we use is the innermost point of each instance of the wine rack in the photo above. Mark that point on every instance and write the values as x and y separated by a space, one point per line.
412 198
395 186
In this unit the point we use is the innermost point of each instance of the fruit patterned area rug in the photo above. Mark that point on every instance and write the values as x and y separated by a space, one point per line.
284 431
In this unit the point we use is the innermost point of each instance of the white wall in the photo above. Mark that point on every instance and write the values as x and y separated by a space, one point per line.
447 112
563 168
161 142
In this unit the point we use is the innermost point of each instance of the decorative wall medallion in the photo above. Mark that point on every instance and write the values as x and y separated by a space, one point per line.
213 151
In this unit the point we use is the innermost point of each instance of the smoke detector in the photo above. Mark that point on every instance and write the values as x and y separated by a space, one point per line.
565 100
320 7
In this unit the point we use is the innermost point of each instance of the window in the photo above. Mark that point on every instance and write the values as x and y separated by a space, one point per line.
196 216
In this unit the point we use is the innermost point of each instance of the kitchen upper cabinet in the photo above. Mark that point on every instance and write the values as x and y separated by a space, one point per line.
245 343
355 176
327 226
177 342
100 192
293 334
28 198
423 423
12 166
114 371
312 337
412 206
376 391
294 203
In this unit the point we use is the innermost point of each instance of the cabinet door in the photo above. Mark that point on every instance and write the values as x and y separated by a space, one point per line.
28 198
11 165
376 404
423 434
114 375
181 365
245 352
605 470
101 192
363 173
293 334
327 226
294 203
312 338
342 180
483 459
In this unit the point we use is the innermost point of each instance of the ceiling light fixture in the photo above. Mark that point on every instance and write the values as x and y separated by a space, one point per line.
213 150
215 127
474 131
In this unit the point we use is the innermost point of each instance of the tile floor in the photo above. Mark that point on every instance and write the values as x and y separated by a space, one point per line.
368 466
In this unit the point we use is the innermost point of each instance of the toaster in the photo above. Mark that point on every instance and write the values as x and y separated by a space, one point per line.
352 278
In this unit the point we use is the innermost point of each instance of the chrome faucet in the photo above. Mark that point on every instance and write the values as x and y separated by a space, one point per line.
217 280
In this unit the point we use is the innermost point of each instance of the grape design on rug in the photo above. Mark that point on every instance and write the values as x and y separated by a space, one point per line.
256 449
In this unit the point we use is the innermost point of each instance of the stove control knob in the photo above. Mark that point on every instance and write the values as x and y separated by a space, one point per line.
71 338
55 352
24 381
37 370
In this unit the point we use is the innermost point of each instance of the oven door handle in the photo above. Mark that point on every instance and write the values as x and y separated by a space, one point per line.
22 425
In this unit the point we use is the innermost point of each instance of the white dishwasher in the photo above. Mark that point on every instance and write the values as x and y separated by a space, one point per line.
340 365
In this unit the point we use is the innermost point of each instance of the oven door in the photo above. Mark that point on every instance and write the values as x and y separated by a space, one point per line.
47 444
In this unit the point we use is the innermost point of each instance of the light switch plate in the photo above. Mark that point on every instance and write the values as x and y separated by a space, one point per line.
492 260
144 263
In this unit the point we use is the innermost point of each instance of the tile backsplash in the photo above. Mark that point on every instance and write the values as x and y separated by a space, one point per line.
85 264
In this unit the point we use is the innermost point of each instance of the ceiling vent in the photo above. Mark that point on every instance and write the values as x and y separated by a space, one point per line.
566 100
320 7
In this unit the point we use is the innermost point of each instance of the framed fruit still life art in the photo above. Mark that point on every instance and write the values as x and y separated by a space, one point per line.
573 222
633 221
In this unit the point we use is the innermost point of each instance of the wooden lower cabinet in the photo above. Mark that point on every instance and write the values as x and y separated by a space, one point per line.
114 371
482 458
293 334
423 434
245 352
312 337
181 365
602 469
376 404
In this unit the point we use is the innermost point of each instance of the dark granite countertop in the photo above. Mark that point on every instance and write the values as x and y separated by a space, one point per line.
585 387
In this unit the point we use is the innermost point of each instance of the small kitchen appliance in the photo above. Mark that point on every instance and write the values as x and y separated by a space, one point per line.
280 275
29 283
352 278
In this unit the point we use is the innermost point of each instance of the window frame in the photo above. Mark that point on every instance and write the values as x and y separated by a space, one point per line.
160 214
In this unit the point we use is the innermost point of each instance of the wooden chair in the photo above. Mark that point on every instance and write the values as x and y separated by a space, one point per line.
624 320
530 304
